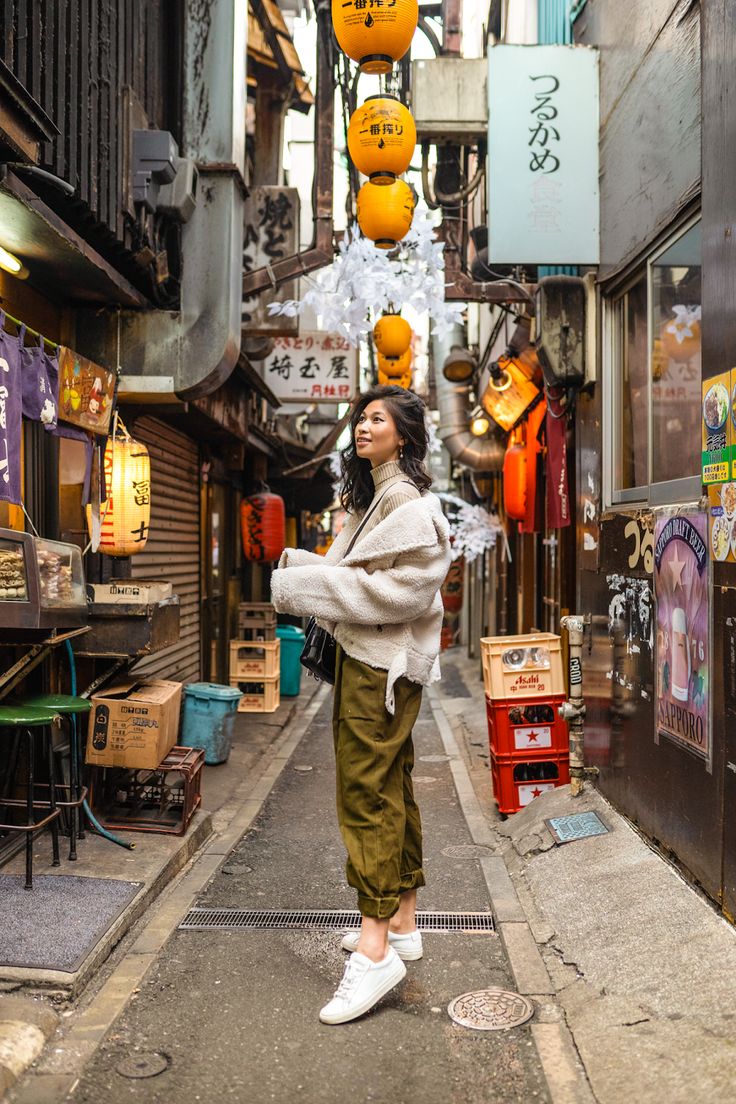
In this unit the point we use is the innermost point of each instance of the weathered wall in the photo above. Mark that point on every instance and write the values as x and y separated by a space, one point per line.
650 116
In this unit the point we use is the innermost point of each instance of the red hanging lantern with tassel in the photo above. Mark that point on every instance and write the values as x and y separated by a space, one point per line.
263 527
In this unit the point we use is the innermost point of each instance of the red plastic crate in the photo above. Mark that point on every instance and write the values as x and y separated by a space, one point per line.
515 784
525 729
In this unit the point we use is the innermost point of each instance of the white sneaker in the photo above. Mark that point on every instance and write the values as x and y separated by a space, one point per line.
363 984
407 946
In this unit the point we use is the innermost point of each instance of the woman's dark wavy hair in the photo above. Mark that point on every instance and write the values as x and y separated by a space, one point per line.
408 412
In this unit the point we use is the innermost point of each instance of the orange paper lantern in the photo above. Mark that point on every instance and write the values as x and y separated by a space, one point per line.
395 366
395 381
514 480
381 138
385 213
375 34
125 517
263 527
680 336
392 335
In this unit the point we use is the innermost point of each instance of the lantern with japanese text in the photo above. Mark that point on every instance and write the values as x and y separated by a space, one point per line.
263 527
385 212
392 335
125 517
395 366
375 33
381 138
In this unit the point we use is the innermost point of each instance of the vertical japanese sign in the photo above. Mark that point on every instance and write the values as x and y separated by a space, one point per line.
716 429
681 590
543 197
271 232
312 368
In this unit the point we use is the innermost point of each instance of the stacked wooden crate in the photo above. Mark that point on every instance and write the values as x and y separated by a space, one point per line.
255 658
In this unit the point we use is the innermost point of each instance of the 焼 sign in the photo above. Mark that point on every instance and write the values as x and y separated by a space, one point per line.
543 199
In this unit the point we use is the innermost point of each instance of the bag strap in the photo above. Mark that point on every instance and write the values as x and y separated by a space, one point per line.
374 506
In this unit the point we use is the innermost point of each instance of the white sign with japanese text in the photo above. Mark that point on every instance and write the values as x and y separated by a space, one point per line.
543 196
271 232
312 368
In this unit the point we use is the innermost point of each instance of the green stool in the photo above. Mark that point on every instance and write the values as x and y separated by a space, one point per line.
22 720
67 705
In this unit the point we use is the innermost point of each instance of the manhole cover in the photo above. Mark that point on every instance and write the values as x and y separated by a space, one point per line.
423 779
434 758
143 1065
490 1010
467 851
565 829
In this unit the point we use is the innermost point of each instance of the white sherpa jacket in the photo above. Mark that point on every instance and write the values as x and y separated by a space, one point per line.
381 602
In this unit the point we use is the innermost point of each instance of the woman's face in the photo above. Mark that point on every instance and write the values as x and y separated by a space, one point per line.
376 436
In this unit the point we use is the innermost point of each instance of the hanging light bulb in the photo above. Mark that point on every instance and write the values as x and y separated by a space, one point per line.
480 423
459 365
10 263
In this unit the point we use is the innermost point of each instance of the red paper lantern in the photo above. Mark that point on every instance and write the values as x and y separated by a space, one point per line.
263 527
515 481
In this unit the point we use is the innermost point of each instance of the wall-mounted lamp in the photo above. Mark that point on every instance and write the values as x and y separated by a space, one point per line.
508 394
480 423
10 263
459 365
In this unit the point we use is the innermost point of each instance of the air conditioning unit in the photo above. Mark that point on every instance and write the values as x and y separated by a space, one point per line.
449 99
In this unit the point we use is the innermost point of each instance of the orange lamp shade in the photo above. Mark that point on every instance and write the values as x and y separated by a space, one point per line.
680 337
125 517
263 527
395 381
392 335
385 213
393 367
375 34
381 138
514 481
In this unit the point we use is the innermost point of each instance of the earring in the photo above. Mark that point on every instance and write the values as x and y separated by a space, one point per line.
401 452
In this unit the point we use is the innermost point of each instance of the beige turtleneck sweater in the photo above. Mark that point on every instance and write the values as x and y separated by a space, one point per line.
402 490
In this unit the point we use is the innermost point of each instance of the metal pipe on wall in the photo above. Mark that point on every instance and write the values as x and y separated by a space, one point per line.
478 453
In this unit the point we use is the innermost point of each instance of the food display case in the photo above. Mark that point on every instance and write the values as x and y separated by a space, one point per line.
41 586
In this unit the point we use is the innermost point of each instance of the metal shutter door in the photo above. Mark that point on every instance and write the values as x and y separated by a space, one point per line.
172 551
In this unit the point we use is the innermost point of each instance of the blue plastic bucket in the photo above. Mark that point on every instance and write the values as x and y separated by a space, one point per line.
209 717
292 645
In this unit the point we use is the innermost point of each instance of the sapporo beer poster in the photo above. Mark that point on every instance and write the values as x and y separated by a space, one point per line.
681 588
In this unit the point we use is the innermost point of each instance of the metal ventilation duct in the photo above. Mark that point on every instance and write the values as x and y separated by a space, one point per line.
482 454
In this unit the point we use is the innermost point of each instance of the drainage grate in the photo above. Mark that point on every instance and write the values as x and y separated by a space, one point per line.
228 919
490 1009
565 829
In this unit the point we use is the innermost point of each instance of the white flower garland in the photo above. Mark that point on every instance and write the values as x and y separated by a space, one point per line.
472 529
363 281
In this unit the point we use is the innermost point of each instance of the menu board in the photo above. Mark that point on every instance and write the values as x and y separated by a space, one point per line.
718 428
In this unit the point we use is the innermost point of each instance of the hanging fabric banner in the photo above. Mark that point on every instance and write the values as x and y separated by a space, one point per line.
558 498
40 379
10 416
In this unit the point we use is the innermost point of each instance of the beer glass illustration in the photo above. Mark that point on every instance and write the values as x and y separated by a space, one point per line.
680 655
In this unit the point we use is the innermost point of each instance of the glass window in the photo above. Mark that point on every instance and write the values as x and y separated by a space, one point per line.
655 350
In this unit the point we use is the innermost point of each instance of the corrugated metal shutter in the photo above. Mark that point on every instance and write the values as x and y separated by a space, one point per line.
172 550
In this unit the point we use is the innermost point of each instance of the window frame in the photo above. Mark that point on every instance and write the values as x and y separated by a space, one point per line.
685 489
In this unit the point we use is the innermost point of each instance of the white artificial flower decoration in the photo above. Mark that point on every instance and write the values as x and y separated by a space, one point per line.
681 325
472 529
363 282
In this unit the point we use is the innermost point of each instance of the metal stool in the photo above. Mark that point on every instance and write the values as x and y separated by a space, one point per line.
23 719
68 705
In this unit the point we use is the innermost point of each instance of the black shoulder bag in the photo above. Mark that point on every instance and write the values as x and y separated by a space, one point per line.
320 648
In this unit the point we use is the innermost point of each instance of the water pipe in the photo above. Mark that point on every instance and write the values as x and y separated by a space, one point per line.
573 710
85 804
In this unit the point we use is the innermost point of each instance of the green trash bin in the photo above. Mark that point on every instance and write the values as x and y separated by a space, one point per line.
292 644
210 710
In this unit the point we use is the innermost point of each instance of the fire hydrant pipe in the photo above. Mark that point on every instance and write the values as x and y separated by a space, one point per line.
573 710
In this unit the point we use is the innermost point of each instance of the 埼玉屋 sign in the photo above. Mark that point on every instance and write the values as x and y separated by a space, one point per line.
543 197
312 368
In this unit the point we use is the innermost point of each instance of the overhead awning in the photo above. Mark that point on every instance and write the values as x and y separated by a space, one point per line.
271 47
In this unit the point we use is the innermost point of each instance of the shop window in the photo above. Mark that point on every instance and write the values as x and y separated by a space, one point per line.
654 328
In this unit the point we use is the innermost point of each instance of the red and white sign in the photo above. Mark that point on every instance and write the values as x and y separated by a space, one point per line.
529 790
312 368
535 736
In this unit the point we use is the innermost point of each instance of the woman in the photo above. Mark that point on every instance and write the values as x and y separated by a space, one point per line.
377 591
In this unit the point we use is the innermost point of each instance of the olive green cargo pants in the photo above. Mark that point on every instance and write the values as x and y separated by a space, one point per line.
376 811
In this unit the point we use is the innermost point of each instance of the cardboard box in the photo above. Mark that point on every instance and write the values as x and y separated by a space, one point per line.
134 723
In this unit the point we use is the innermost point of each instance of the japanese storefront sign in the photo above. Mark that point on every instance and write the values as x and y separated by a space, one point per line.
10 417
681 589
271 223
543 197
312 368
718 428
86 392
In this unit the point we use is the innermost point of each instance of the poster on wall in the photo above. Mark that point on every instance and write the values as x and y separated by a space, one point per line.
681 590
717 421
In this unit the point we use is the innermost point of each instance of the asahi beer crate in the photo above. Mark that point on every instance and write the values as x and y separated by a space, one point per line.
258 695
521 667
254 659
516 781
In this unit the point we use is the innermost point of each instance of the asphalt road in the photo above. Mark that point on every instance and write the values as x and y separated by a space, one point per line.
235 1013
